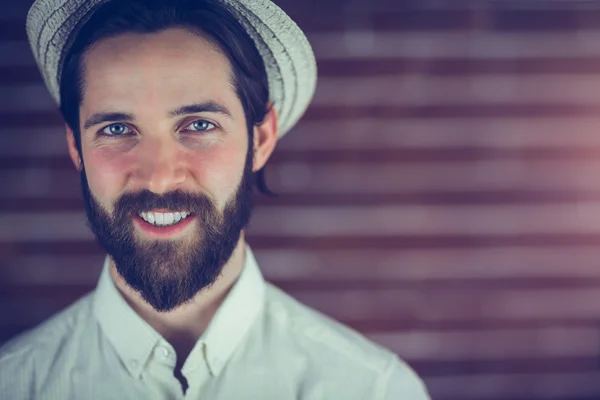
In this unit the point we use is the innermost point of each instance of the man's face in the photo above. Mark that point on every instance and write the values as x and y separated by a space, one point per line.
167 169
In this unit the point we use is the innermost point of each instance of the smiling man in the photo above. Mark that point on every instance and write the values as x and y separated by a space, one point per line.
172 109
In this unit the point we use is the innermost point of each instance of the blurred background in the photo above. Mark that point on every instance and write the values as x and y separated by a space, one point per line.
441 195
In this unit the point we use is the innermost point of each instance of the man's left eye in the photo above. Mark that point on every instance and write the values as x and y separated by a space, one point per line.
201 125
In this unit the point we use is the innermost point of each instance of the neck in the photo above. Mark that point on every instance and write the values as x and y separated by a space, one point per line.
185 324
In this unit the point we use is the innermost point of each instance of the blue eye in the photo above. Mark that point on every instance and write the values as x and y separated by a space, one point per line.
201 125
116 130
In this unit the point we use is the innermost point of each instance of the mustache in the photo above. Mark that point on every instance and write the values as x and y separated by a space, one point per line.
144 200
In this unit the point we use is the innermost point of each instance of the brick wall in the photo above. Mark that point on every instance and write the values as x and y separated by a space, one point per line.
441 195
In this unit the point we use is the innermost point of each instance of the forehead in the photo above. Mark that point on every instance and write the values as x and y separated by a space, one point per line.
156 69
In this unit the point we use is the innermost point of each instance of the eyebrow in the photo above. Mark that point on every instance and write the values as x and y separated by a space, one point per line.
209 106
100 118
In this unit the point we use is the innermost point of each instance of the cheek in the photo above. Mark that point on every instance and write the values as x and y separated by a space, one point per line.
107 172
219 170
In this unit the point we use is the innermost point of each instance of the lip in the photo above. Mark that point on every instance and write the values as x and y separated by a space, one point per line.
163 232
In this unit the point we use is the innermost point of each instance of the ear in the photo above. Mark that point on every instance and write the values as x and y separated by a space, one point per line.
73 152
265 139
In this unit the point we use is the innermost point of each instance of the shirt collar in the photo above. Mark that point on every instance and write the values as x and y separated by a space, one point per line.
131 336
134 339
234 317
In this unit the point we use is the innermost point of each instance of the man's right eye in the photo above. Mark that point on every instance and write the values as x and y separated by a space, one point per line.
116 130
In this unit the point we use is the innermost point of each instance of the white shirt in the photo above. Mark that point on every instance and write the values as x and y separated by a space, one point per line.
261 344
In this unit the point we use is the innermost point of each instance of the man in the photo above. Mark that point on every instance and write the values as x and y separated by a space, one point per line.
172 108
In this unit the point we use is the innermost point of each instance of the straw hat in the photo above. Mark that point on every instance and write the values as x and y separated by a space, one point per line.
286 53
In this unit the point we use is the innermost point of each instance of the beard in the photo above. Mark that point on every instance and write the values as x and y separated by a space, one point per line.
168 273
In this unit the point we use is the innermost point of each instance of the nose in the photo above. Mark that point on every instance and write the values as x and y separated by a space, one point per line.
161 167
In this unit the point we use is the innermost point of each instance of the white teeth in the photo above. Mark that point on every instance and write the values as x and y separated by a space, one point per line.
163 219
168 218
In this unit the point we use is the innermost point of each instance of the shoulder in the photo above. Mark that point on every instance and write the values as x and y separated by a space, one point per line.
33 352
323 332
56 328
342 348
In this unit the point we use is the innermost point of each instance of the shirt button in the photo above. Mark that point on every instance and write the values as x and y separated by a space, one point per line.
134 363
162 352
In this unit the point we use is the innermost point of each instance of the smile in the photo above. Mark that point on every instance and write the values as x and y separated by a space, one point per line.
162 218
